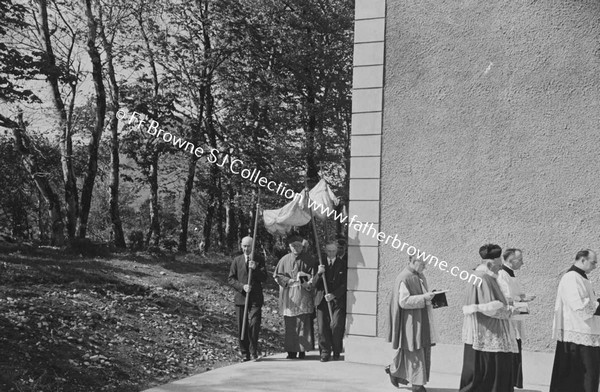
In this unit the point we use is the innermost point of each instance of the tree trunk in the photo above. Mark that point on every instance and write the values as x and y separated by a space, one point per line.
115 216
92 164
185 206
252 219
312 170
210 211
220 215
23 144
213 186
230 224
43 235
71 199
154 233
242 230
53 73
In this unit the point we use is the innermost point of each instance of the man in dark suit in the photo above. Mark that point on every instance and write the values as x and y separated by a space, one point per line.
238 279
331 331
342 252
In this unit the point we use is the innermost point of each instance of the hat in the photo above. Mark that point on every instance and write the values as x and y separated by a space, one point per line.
294 238
490 251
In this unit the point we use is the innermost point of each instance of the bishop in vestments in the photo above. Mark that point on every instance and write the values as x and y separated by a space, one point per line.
296 274
489 337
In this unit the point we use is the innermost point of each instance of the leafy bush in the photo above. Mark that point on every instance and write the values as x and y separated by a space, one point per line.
169 244
136 240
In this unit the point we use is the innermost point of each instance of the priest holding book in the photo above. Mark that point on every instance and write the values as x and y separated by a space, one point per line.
512 290
577 329
412 328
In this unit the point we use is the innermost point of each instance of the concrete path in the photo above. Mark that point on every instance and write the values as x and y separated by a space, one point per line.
277 374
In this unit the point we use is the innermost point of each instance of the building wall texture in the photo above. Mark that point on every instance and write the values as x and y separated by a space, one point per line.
491 133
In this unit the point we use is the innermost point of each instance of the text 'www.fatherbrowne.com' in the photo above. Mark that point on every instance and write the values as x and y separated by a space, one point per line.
236 166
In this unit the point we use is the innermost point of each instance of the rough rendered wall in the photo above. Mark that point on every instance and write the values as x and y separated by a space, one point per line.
491 134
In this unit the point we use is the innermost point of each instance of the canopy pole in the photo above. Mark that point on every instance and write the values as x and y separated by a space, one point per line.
319 255
254 235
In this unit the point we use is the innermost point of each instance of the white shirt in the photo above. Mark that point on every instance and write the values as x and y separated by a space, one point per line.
511 288
574 319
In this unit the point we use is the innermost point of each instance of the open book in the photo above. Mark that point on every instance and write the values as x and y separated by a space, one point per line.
523 309
439 300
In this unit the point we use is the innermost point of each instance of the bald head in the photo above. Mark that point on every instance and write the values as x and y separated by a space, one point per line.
331 249
417 264
247 245
513 257
305 245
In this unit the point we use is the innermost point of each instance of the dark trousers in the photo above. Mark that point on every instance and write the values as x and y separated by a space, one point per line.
576 368
331 332
518 366
249 344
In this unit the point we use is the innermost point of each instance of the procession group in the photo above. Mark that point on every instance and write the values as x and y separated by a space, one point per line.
492 328
308 290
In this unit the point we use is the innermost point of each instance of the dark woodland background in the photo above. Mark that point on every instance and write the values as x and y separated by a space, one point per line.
99 290
267 81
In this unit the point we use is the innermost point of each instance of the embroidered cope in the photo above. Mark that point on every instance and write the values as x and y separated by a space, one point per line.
487 325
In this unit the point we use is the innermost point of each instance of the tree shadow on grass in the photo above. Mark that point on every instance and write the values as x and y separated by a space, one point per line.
38 268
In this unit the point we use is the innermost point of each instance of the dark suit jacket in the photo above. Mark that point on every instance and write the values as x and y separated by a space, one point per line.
238 277
336 282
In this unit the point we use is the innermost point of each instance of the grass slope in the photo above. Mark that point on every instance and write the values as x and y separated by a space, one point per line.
122 322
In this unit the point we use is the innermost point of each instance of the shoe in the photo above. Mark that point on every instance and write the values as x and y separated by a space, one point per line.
336 356
421 388
392 378
254 356
291 355
301 355
246 359
324 358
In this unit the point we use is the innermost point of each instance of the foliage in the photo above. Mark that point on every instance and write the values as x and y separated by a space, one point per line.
21 206
266 82
136 240
16 63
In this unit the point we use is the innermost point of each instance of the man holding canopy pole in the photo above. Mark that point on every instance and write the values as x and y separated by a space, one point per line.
331 306
241 266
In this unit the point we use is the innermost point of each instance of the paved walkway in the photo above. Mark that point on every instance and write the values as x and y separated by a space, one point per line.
276 373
